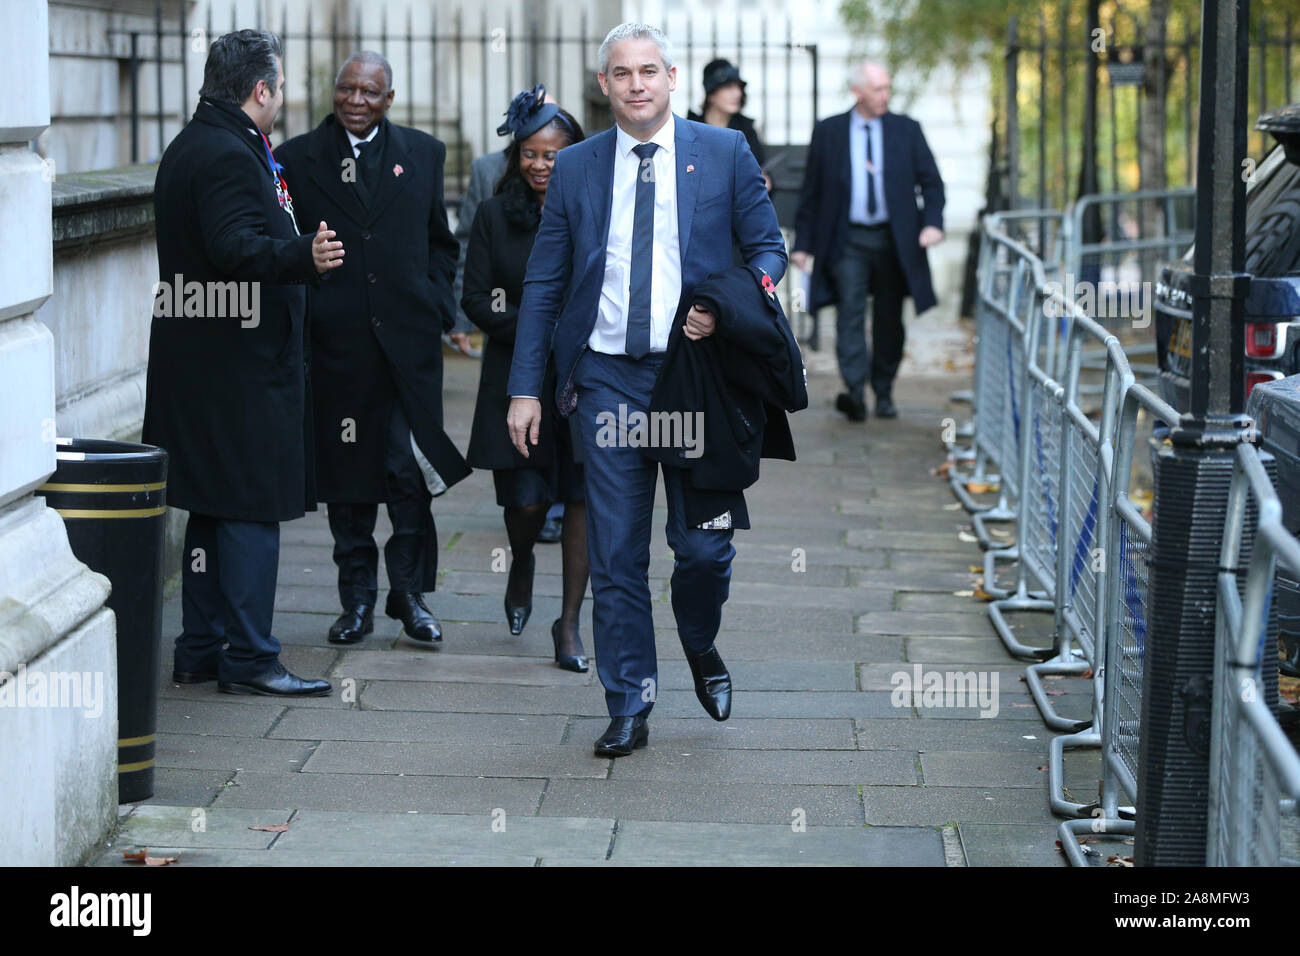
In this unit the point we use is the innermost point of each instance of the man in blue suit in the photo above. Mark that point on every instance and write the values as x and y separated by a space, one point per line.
635 217
858 221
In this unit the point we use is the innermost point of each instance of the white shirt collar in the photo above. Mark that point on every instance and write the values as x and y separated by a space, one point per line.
353 139
664 137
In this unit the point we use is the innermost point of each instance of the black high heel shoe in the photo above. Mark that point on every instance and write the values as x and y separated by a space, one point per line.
518 616
568 662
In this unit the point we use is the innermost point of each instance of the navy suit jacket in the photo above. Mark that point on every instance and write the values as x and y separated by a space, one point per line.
822 222
721 196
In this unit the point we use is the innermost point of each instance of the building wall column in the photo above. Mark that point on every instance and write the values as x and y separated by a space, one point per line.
58 763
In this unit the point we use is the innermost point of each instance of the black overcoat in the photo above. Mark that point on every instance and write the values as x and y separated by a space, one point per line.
741 380
501 239
378 319
227 394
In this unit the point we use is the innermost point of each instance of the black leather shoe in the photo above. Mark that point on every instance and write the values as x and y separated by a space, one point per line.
552 531
418 622
568 662
854 409
885 408
624 735
192 677
712 682
353 625
517 616
277 683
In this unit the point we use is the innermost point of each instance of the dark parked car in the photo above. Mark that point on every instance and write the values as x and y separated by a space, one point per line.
1275 407
1273 259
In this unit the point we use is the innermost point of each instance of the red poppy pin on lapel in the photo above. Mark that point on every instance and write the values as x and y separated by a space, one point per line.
690 168
769 286
397 170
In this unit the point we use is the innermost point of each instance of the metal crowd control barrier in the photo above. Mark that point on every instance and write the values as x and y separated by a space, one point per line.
1254 770
1126 544
1081 552
1142 230
1086 458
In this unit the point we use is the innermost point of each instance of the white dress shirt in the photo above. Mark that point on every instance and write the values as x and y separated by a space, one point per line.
610 332
353 139
859 130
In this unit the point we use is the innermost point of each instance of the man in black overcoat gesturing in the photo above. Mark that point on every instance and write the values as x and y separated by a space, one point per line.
376 347
227 391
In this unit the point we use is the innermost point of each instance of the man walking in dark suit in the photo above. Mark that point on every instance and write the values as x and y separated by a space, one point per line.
859 223
227 395
635 218
376 344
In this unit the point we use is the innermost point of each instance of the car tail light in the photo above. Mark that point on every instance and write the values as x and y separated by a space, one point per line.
1261 339
1255 378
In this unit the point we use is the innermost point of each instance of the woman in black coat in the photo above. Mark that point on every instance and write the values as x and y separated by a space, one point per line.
501 240
724 98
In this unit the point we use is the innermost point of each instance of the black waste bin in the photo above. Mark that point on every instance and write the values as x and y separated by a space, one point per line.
113 499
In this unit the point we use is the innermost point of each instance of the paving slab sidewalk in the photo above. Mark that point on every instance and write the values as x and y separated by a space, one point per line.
480 753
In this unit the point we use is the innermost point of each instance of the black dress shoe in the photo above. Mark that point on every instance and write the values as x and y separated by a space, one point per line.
853 408
552 531
353 625
192 677
624 735
885 408
517 615
568 662
418 622
277 682
712 682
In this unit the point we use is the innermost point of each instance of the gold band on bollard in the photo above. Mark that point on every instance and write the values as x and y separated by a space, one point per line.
105 489
107 513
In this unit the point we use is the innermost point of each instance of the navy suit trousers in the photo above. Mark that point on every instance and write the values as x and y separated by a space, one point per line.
620 486
228 598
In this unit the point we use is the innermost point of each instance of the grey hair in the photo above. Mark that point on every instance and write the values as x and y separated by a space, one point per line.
636 31
368 58
237 62
858 73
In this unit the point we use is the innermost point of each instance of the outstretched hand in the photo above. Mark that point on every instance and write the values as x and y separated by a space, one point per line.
325 253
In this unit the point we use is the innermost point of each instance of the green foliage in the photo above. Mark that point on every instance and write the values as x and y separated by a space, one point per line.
971 35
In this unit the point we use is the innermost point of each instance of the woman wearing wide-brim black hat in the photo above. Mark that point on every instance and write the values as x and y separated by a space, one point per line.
724 98
501 240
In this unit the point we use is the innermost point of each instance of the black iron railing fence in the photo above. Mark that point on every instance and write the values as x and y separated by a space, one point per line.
458 75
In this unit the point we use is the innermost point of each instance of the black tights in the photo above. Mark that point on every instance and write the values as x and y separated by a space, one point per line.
522 527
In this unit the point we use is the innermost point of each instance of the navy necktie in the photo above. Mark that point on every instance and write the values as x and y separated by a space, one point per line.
643 240
871 176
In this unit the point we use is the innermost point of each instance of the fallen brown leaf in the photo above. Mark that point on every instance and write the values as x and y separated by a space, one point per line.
1017 704
983 595
979 487
160 860
135 856
1120 860
1053 693
271 827
941 471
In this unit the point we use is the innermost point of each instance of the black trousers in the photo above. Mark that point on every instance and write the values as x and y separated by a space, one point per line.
228 598
869 266
410 554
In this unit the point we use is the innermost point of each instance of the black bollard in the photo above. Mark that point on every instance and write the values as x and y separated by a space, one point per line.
113 499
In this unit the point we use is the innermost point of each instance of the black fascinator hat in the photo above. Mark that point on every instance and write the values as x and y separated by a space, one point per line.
527 114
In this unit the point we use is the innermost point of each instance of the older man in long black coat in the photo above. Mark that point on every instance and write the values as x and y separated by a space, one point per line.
227 390
376 343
